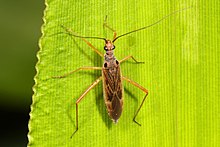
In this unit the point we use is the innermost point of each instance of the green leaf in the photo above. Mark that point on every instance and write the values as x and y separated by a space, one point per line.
181 72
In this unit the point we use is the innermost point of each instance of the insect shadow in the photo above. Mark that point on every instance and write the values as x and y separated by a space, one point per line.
101 107
84 53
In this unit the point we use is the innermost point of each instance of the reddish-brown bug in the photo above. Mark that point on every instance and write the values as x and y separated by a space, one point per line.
111 74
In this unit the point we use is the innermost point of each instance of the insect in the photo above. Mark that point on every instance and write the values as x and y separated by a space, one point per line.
111 74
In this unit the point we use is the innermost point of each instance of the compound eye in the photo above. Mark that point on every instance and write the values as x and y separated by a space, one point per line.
105 65
113 47
105 48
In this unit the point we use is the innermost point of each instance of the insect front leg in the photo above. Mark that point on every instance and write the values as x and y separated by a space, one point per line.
110 28
81 97
81 68
93 48
71 32
141 88
128 57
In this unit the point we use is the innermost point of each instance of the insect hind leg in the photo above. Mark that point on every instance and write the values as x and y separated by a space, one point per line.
141 88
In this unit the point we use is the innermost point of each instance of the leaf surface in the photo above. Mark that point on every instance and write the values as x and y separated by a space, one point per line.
181 72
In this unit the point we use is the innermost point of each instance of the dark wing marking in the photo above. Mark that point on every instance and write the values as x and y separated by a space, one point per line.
113 85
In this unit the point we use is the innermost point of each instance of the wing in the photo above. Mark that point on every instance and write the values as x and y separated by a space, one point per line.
113 91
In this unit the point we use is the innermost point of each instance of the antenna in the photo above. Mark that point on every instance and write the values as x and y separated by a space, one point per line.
173 13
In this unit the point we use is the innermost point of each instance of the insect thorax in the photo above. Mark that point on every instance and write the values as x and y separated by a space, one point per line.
110 60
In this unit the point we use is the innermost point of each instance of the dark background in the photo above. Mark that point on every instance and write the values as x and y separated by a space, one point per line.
20 30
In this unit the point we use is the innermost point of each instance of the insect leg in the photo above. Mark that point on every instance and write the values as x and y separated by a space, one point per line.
141 88
110 28
128 57
72 33
81 68
81 97
93 48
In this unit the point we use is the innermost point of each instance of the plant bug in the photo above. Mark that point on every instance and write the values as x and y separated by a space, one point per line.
111 74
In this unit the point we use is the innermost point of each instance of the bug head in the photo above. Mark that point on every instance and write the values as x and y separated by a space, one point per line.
109 46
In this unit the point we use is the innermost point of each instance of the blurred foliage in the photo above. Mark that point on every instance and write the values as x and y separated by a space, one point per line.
20 23
20 30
